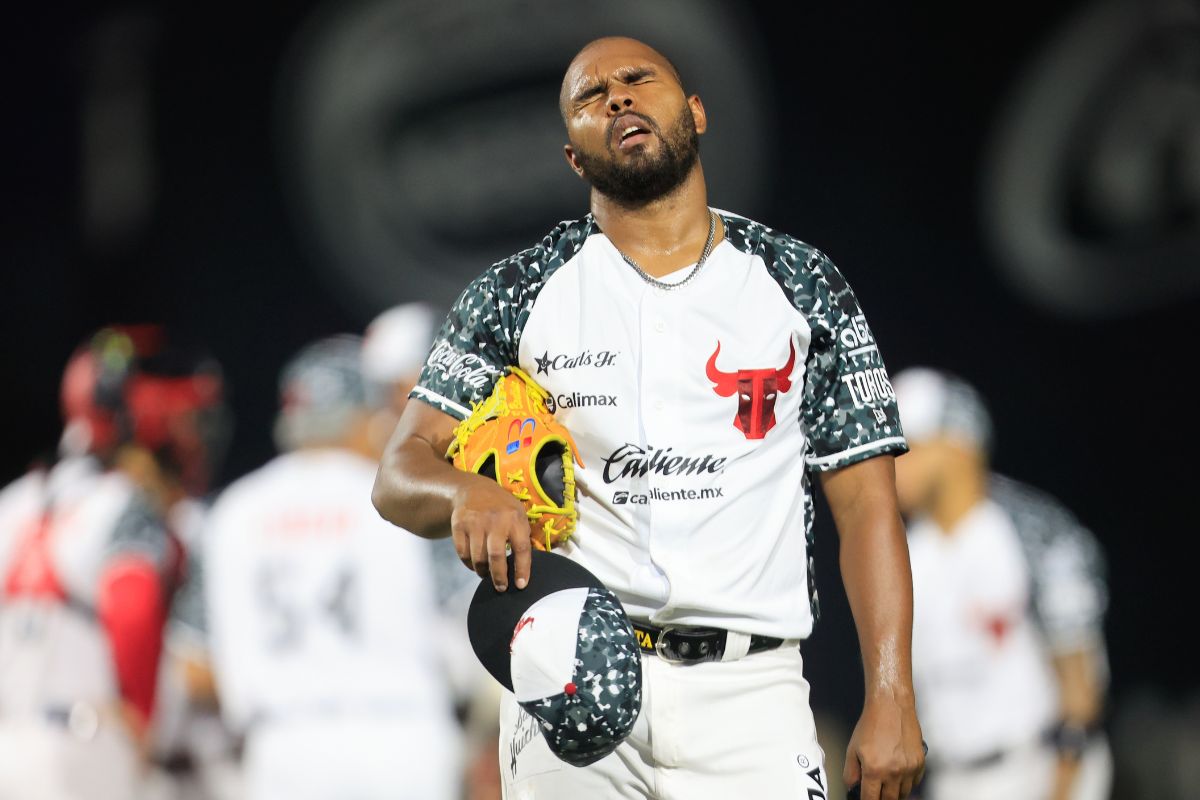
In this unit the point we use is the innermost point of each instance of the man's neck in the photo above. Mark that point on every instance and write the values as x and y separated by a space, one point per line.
665 234
959 497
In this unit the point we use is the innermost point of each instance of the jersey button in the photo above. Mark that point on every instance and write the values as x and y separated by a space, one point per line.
660 326
659 405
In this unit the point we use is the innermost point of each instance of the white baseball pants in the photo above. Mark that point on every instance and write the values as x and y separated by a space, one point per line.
707 731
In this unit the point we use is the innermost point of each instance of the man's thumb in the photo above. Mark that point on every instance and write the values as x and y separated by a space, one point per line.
852 772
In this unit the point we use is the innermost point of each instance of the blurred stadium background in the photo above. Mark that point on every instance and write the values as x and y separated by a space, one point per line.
1013 189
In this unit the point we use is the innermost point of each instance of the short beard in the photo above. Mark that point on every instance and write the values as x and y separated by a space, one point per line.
644 179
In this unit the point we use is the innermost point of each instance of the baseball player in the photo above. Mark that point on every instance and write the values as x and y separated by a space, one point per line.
393 353
1008 648
321 619
707 367
87 568
196 755
394 347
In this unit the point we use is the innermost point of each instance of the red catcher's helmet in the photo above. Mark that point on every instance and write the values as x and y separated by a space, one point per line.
127 385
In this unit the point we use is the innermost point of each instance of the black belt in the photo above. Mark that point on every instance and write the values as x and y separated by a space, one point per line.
983 761
687 645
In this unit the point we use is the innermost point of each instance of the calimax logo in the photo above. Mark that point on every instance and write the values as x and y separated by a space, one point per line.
577 400
632 461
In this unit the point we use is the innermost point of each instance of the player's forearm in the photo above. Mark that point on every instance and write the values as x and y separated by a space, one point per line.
1080 695
875 571
415 489
1080 704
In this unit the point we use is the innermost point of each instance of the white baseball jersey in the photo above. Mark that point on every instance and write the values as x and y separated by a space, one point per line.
316 606
699 412
1016 580
60 734
58 532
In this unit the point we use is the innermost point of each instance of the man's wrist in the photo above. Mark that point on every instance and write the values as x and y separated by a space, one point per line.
897 692
1070 739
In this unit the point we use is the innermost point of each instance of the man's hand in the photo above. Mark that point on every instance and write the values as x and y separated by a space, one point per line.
417 489
485 521
885 758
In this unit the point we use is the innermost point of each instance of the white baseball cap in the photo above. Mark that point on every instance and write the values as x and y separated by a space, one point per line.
566 648
397 341
320 390
934 403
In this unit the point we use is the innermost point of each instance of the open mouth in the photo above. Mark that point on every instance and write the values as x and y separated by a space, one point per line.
630 132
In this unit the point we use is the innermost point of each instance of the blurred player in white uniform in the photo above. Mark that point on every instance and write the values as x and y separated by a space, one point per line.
1008 651
393 352
195 755
321 615
87 569
394 349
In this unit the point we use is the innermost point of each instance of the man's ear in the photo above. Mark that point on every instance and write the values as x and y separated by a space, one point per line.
698 114
572 160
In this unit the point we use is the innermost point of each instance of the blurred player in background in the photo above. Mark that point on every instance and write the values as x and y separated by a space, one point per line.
1008 650
321 617
194 753
394 349
88 566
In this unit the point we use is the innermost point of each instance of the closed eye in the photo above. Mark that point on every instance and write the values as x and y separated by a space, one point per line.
588 95
636 75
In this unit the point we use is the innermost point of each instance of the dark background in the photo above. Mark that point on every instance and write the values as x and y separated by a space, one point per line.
884 114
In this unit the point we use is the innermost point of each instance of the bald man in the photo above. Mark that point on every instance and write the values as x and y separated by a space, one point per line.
708 367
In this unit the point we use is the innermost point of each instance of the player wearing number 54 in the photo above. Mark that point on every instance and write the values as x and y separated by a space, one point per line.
320 615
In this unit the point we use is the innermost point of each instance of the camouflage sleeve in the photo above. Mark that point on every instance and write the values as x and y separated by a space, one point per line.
188 619
849 408
471 350
1071 597
1067 566
141 531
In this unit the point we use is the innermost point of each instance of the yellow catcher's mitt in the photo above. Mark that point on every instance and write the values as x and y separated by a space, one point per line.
512 438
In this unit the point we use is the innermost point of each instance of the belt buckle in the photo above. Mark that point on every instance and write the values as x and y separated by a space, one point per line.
660 647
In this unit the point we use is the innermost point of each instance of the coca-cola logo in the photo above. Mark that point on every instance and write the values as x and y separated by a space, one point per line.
467 368
634 461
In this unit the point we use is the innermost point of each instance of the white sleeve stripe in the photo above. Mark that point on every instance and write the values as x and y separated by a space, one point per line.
830 459
444 401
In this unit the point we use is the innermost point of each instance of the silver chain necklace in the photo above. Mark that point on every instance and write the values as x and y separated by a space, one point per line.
667 287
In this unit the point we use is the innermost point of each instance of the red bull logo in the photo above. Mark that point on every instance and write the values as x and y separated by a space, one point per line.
756 390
